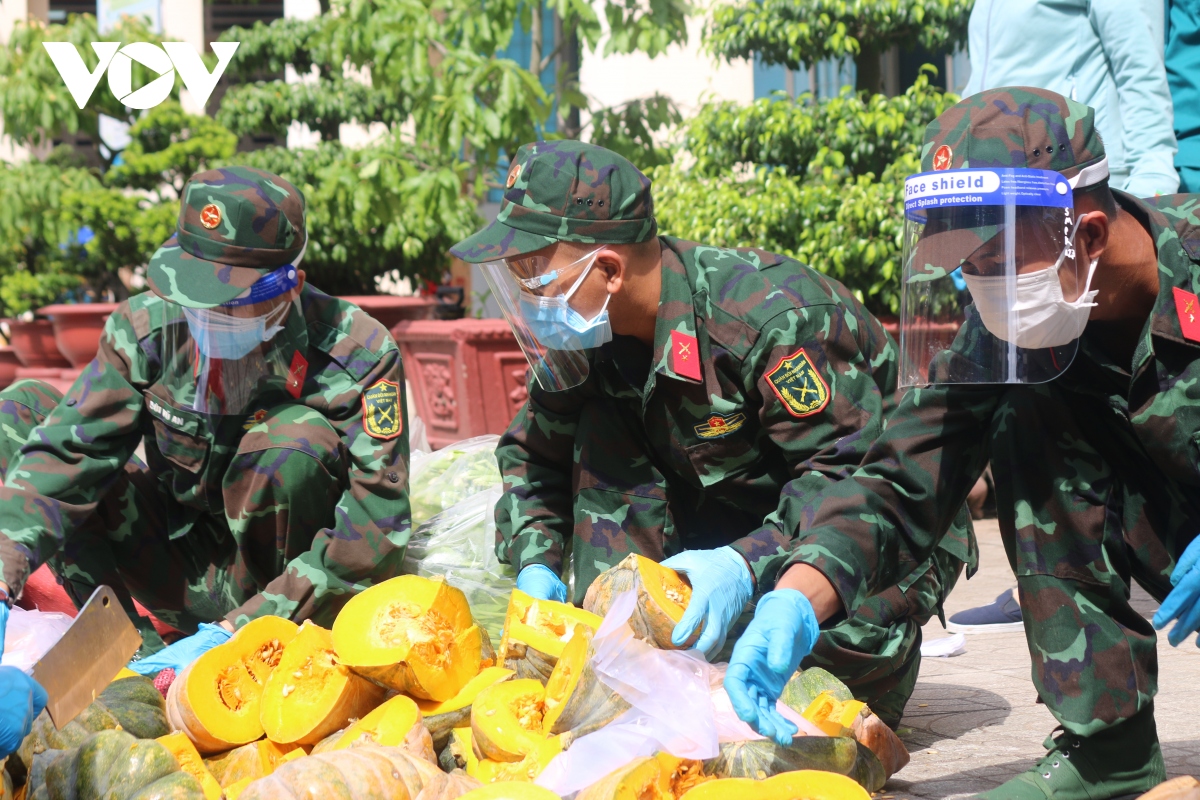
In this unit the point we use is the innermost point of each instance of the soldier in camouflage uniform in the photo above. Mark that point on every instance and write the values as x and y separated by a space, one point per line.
284 496
738 384
1095 470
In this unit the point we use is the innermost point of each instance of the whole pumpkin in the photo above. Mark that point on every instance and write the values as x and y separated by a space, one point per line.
132 704
115 765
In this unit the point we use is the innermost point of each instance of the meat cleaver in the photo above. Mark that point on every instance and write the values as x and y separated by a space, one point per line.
100 641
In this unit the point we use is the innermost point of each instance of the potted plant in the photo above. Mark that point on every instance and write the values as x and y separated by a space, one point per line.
32 338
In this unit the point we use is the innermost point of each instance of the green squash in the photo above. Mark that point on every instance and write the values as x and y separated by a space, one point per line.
114 765
131 704
803 688
868 770
763 758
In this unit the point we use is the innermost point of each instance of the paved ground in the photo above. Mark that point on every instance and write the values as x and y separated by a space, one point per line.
973 719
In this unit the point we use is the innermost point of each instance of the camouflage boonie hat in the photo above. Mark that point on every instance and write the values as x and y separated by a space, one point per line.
565 191
236 224
1018 127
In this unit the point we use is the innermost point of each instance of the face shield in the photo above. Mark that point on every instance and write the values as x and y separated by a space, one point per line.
992 289
540 303
217 361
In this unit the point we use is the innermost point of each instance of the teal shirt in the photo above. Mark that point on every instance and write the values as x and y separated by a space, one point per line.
1107 54
1183 75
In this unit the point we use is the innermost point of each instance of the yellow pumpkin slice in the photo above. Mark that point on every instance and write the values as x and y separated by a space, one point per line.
527 769
576 700
506 720
834 717
662 596
808 784
190 762
312 694
253 761
396 723
535 633
724 789
640 779
411 634
441 718
459 753
234 790
216 699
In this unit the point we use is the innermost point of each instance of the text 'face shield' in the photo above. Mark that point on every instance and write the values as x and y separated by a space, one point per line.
217 361
542 306
992 289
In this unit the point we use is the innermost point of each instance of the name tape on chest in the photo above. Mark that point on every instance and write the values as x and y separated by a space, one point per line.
381 410
798 385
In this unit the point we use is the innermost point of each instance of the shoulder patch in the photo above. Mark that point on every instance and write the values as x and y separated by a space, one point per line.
381 410
798 385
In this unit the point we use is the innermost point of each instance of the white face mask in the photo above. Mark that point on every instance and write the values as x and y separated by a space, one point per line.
1038 313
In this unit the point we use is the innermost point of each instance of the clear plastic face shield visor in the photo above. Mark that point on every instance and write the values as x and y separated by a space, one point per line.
217 361
993 290
541 303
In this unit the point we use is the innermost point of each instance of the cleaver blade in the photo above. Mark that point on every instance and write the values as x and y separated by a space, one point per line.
100 641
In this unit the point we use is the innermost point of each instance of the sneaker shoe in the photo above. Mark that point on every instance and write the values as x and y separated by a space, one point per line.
1119 763
1002 615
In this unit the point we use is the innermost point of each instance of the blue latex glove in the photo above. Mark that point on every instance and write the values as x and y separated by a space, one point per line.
21 699
783 631
539 582
721 587
1183 603
184 652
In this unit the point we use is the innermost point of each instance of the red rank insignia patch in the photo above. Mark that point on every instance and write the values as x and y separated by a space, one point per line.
685 355
296 373
1187 306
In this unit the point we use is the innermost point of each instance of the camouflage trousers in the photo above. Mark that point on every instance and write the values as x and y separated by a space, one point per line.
625 503
185 566
1083 513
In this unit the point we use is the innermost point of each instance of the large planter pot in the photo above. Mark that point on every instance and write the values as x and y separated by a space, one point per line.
77 329
9 364
389 309
468 376
33 342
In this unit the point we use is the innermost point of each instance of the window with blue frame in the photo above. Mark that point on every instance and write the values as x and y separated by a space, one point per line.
830 76
519 49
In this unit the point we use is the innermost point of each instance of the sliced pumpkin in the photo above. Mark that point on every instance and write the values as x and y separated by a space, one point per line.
311 693
216 699
190 762
810 784
251 761
527 769
234 790
441 718
662 596
725 789
396 723
535 633
576 700
125 672
506 720
763 758
641 779
834 717
411 634
459 753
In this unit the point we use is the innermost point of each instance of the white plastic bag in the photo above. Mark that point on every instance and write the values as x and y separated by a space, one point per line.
446 477
460 544
30 635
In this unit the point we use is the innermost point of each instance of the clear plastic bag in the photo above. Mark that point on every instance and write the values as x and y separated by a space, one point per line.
678 705
460 544
445 477
29 635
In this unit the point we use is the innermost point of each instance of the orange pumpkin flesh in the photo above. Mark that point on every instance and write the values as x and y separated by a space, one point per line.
576 700
834 717
811 784
535 633
411 634
506 720
250 761
396 723
190 762
527 769
441 718
662 596
216 699
311 693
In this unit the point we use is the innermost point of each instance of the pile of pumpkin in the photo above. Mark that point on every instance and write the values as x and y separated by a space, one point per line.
406 698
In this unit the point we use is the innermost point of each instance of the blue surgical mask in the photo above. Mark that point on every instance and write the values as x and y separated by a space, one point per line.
220 335
559 327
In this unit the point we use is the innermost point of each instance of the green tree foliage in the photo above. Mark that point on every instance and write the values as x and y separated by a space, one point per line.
822 182
167 147
800 34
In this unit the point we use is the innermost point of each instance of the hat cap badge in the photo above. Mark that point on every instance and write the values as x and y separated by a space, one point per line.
514 172
210 216
942 158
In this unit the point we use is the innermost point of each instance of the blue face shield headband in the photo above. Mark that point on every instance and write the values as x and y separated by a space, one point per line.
220 334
